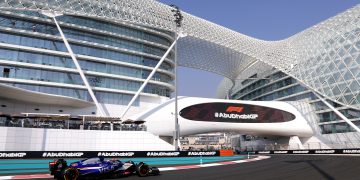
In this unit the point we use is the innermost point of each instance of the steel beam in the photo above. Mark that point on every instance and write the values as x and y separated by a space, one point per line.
338 112
150 75
73 57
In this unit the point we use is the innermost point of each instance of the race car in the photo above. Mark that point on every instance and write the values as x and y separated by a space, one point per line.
100 168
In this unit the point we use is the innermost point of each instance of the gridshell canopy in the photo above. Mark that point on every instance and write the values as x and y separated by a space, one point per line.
325 57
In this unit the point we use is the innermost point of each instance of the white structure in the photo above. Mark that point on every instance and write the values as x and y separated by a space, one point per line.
36 139
58 63
118 42
160 118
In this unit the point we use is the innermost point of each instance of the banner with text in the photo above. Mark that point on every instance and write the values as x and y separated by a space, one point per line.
106 154
311 151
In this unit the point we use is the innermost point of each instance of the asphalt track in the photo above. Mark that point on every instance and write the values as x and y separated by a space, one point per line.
280 167
32 166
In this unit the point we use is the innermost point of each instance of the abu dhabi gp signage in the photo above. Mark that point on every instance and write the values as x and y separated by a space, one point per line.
309 151
235 113
105 154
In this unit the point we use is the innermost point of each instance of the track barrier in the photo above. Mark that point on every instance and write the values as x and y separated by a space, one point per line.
106 154
226 152
311 151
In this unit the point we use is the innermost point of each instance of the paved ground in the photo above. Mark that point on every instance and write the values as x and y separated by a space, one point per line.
280 167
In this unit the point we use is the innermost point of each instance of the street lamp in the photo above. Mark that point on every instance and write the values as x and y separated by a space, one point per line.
178 20
177 14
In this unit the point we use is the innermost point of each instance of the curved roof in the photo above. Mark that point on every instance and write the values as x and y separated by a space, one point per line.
327 52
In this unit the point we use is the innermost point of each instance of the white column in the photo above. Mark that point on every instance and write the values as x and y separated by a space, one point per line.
150 76
78 67
295 143
177 126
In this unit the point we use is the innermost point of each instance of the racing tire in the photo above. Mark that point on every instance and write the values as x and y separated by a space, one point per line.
70 174
59 166
142 169
154 171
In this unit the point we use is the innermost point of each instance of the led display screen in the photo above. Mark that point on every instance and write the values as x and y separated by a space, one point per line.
235 113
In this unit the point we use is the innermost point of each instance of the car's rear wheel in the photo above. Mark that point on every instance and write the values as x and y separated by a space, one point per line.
142 169
70 174
58 167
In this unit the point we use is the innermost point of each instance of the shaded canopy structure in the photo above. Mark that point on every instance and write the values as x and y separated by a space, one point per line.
325 57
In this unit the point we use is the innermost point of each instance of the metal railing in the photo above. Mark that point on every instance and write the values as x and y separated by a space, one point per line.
67 123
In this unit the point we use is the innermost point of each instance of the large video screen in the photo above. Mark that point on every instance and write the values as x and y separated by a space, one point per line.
235 113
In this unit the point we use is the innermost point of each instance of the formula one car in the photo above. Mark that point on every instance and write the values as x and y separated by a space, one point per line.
99 168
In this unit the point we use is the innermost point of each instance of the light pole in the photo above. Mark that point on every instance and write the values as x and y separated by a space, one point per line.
178 19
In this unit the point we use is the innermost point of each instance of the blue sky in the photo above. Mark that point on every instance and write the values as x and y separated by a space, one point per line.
263 19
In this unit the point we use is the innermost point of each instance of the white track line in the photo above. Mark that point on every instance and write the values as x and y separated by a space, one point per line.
213 164
5 177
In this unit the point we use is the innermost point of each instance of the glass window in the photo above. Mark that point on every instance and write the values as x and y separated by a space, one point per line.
80 49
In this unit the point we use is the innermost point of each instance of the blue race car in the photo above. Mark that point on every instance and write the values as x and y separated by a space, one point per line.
100 168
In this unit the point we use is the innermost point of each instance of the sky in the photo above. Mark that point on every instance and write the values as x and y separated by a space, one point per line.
262 19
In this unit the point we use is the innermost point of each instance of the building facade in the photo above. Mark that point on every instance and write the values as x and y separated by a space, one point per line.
116 59
268 84
278 86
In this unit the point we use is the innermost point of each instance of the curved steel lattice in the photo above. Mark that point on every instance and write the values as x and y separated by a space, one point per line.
325 57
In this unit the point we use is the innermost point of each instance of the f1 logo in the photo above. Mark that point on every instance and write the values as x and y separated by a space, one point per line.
238 109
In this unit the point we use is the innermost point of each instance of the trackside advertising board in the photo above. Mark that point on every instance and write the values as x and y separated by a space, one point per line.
106 154
312 151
